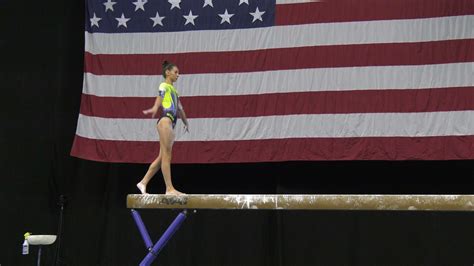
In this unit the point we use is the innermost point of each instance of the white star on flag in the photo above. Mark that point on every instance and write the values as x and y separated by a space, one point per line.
95 21
225 17
190 18
208 3
174 3
243 1
109 5
140 4
257 15
122 21
157 20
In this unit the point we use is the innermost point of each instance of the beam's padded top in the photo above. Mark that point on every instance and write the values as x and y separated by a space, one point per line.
303 202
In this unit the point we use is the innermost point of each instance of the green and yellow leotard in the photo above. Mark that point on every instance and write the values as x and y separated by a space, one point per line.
170 102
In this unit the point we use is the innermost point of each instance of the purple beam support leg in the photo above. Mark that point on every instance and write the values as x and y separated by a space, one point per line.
142 229
151 256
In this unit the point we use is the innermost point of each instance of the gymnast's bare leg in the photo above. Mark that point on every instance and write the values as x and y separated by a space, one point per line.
163 160
152 170
165 128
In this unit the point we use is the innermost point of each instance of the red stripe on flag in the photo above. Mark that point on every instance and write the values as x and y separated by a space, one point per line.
330 102
366 10
438 52
390 148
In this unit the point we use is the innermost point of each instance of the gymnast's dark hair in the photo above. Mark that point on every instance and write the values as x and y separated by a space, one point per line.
167 66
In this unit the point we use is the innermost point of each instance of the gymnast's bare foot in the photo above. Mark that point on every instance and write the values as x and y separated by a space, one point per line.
174 192
142 188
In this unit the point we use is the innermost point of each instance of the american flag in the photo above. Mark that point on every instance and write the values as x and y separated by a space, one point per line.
281 80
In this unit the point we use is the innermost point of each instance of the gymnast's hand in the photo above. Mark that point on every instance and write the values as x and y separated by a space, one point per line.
151 111
186 128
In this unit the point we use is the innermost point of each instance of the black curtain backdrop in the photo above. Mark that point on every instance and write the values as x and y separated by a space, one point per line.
41 81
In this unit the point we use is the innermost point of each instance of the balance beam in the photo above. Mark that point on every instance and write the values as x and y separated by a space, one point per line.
304 202
282 202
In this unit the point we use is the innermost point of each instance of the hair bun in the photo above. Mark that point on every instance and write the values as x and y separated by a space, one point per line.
165 63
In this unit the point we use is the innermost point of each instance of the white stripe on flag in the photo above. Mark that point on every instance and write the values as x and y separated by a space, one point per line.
301 80
455 123
366 32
